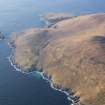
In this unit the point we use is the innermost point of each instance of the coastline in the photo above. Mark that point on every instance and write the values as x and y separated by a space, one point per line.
44 77
74 100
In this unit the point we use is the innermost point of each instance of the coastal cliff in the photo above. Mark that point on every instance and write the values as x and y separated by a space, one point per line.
71 53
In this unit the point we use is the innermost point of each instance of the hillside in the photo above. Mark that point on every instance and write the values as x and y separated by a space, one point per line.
71 52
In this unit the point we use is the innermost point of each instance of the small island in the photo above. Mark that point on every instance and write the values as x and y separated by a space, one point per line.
72 56
2 37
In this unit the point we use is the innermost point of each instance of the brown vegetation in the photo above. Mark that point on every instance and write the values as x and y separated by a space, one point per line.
73 54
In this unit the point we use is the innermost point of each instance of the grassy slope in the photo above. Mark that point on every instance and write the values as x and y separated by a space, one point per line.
73 53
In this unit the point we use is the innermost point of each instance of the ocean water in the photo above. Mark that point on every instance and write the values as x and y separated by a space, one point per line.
17 88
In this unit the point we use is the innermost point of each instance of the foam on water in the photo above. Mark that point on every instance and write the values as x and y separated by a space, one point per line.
41 74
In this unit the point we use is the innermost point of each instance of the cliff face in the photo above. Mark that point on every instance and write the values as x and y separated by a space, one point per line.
72 52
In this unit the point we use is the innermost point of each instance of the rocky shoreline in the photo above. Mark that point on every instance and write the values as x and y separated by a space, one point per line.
74 100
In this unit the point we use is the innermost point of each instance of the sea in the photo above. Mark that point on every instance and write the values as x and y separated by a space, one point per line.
17 88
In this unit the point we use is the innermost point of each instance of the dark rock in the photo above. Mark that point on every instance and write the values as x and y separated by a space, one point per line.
2 36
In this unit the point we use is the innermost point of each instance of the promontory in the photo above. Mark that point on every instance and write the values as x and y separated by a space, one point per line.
71 52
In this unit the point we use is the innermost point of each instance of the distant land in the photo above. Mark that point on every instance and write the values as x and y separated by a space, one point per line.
53 18
71 53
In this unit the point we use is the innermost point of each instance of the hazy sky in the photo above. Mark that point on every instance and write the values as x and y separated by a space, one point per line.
51 4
